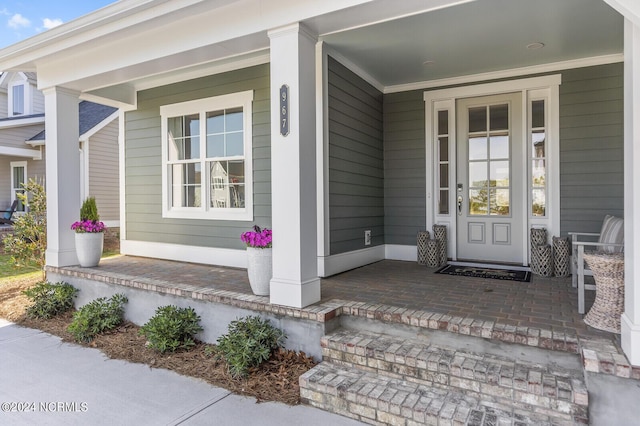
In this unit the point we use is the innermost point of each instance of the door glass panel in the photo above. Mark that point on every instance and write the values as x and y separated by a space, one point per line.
500 202
444 175
499 147
444 202
499 173
478 148
499 117
477 202
478 174
477 119
539 204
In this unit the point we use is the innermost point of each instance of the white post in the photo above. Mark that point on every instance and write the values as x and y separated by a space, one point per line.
630 336
295 279
62 175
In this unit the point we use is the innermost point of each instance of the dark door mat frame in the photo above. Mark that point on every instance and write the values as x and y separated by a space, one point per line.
479 272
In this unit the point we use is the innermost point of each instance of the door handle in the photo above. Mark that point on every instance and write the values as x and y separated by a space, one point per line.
459 205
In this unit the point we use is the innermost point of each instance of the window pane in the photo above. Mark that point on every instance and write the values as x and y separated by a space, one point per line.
444 175
233 120
478 148
499 117
500 202
477 119
537 139
234 144
186 180
18 100
215 122
539 203
499 173
192 148
477 201
537 114
499 147
18 177
174 125
444 149
478 174
192 125
215 146
176 149
236 171
443 205
538 174
443 122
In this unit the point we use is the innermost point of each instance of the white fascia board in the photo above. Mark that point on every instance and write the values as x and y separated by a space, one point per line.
209 31
19 122
20 152
34 143
95 129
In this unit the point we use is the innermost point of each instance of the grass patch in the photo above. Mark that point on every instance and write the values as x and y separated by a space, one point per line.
7 269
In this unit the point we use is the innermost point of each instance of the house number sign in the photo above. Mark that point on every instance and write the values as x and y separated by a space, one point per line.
284 110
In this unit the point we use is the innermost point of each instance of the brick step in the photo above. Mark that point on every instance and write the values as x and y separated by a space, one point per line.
380 399
549 389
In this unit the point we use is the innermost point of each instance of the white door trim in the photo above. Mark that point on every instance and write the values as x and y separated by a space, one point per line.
445 99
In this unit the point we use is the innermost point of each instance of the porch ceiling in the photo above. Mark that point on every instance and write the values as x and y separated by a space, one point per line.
478 37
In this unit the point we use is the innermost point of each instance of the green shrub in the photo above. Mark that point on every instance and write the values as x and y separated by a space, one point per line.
249 342
49 300
89 210
172 328
97 316
28 241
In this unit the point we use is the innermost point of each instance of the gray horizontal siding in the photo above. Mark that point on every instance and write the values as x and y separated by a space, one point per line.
591 147
143 168
356 167
404 166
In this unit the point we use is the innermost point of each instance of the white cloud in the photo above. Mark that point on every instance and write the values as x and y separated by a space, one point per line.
47 23
18 21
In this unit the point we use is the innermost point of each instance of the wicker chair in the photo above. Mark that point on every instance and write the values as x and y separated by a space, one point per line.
609 240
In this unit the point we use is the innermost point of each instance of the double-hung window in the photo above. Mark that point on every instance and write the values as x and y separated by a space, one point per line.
17 100
207 158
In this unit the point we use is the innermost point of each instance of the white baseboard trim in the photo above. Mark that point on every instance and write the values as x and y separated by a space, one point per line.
400 252
331 265
630 339
183 253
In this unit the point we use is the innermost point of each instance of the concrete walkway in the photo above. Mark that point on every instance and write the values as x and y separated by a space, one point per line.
44 381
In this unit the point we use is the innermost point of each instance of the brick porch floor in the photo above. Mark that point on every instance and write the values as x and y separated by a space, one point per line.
548 303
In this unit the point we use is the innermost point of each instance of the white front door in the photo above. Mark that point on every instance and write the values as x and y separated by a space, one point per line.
490 201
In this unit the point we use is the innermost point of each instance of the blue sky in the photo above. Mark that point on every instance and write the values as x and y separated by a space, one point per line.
22 19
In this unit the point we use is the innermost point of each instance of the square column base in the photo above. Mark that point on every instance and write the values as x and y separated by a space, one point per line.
61 257
630 339
293 293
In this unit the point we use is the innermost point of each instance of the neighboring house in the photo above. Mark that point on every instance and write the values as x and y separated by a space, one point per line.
22 145
327 119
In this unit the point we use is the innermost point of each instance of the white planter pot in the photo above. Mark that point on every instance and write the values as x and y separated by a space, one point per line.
89 248
259 269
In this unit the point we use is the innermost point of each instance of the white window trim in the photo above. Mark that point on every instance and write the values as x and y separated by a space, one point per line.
233 100
15 164
27 97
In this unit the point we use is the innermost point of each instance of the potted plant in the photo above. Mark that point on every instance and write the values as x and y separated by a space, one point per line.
89 234
259 266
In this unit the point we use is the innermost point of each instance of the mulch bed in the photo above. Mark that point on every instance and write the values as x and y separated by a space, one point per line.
275 380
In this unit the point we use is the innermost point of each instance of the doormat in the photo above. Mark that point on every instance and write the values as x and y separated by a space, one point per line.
494 274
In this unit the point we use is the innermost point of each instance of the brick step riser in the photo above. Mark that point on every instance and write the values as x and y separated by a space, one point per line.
492 379
384 400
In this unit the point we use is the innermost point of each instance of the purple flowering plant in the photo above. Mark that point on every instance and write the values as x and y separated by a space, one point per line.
258 238
83 226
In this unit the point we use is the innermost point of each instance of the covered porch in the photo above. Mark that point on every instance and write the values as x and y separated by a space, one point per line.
541 313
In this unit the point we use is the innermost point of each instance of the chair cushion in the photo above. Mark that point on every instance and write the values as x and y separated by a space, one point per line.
7 215
612 232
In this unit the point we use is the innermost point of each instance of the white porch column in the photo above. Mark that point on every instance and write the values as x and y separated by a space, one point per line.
63 174
631 318
295 279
